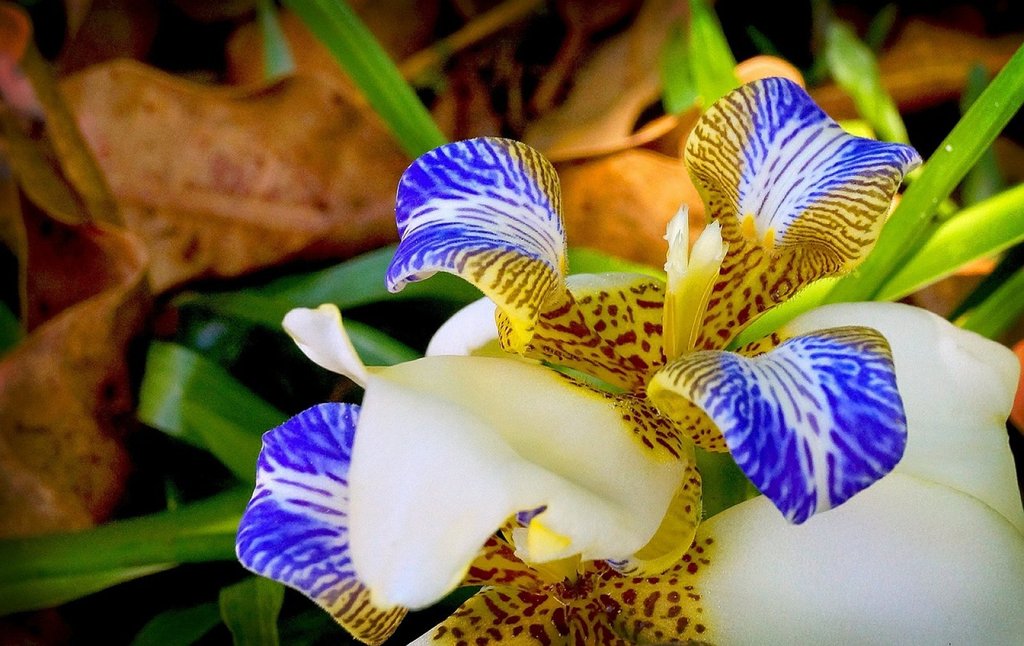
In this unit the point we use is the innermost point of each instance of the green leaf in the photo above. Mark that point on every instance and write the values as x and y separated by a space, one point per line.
985 179
722 482
712 63
680 90
592 261
250 608
338 27
911 221
277 56
997 313
855 70
10 329
50 591
806 299
179 627
44 571
178 382
236 447
982 230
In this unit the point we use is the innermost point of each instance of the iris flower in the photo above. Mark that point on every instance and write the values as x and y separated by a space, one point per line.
572 495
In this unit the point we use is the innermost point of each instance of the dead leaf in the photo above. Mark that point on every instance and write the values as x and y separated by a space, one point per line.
222 181
1017 411
926 65
611 90
108 29
621 203
65 397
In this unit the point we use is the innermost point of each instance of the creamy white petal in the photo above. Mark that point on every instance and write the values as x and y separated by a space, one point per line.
470 331
957 389
321 337
906 562
448 448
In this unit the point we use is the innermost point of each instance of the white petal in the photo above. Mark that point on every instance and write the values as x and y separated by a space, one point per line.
321 337
906 562
957 389
470 331
448 448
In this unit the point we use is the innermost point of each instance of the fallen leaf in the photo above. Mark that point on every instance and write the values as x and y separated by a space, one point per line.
220 181
65 396
621 203
610 91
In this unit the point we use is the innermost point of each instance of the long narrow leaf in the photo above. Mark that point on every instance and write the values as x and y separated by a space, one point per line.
179 627
911 222
277 56
250 609
176 376
10 329
1000 310
42 571
359 53
711 61
984 229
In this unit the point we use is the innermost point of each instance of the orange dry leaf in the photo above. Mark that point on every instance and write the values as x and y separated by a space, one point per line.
65 399
223 181
621 203
1017 412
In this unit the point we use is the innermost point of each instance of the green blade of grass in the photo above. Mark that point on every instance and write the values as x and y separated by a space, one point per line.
179 627
985 179
679 89
250 608
177 378
997 313
854 68
42 571
339 28
711 61
912 219
10 329
984 229
277 56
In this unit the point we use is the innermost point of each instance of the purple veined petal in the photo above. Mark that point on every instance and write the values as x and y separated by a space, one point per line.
489 211
295 528
810 423
771 157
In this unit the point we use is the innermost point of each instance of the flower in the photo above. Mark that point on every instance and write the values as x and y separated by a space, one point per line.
372 509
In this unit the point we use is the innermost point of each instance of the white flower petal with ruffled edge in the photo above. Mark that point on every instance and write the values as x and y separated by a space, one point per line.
295 528
487 210
450 447
906 562
321 336
811 422
957 389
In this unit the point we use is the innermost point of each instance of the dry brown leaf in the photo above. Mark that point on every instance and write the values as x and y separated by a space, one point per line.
621 203
106 30
65 397
221 181
399 37
926 65
610 91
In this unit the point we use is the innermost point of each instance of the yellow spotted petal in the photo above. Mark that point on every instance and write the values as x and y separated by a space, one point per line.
610 328
487 210
797 197
499 616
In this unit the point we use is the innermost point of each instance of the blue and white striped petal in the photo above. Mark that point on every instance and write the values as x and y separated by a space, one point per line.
295 528
766 155
810 423
487 210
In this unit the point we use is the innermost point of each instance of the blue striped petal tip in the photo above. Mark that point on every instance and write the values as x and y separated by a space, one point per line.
791 177
295 528
810 423
489 211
